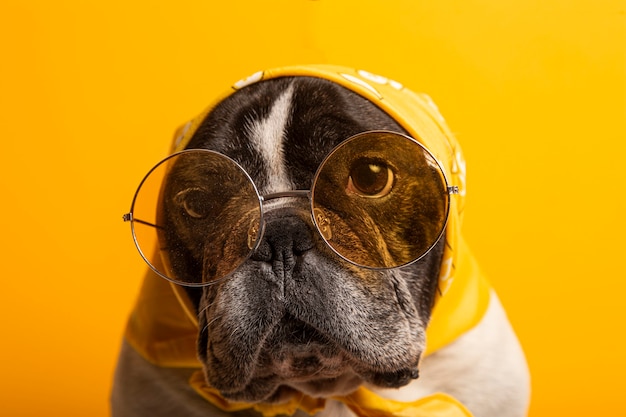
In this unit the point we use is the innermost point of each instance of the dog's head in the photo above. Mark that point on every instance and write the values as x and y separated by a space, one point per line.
294 315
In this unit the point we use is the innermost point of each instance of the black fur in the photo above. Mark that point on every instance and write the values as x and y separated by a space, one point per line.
285 305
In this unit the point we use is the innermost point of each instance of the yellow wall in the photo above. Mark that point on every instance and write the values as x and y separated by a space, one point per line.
90 95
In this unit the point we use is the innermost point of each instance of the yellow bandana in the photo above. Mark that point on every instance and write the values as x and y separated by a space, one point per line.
163 327
362 402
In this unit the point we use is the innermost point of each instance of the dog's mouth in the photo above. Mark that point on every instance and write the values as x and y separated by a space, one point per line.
296 358
323 332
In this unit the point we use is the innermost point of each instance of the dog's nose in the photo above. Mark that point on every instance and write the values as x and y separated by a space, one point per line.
284 239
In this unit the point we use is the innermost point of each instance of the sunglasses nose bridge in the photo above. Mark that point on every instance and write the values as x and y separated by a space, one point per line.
293 193
283 194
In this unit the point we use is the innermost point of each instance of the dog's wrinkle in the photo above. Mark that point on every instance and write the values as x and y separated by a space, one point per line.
291 369
257 390
296 355
380 337
236 331
283 264
309 361
404 298
287 237
343 360
268 391
229 368
281 395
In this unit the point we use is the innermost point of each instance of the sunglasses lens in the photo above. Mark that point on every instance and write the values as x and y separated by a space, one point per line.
203 214
380 200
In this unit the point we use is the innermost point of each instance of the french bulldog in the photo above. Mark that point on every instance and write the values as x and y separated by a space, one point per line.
295 316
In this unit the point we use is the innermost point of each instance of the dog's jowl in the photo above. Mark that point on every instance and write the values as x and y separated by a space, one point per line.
305 258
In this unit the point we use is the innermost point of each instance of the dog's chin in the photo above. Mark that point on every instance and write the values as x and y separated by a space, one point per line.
309 363
259 391
322 328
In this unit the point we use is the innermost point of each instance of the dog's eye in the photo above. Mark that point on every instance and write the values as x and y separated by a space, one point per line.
195 202
370 179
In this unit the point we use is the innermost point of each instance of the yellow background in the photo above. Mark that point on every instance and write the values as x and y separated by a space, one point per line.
91 92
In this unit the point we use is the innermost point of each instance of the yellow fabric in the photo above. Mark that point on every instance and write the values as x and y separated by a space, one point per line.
163 328
362 402
366 404
299 402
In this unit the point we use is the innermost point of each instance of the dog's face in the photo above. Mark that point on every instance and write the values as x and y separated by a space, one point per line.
295 316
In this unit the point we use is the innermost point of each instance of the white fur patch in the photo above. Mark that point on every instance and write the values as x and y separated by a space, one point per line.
267 137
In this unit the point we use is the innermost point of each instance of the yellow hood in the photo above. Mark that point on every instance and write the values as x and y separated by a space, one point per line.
163 327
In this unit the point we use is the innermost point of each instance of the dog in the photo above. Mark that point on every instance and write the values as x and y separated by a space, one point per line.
291 302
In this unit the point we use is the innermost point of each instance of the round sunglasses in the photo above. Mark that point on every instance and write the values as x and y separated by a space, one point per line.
379 200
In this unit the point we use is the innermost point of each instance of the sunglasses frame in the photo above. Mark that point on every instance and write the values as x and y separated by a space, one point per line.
309 194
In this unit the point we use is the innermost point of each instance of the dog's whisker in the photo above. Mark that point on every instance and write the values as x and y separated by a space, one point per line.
206 326
205 308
